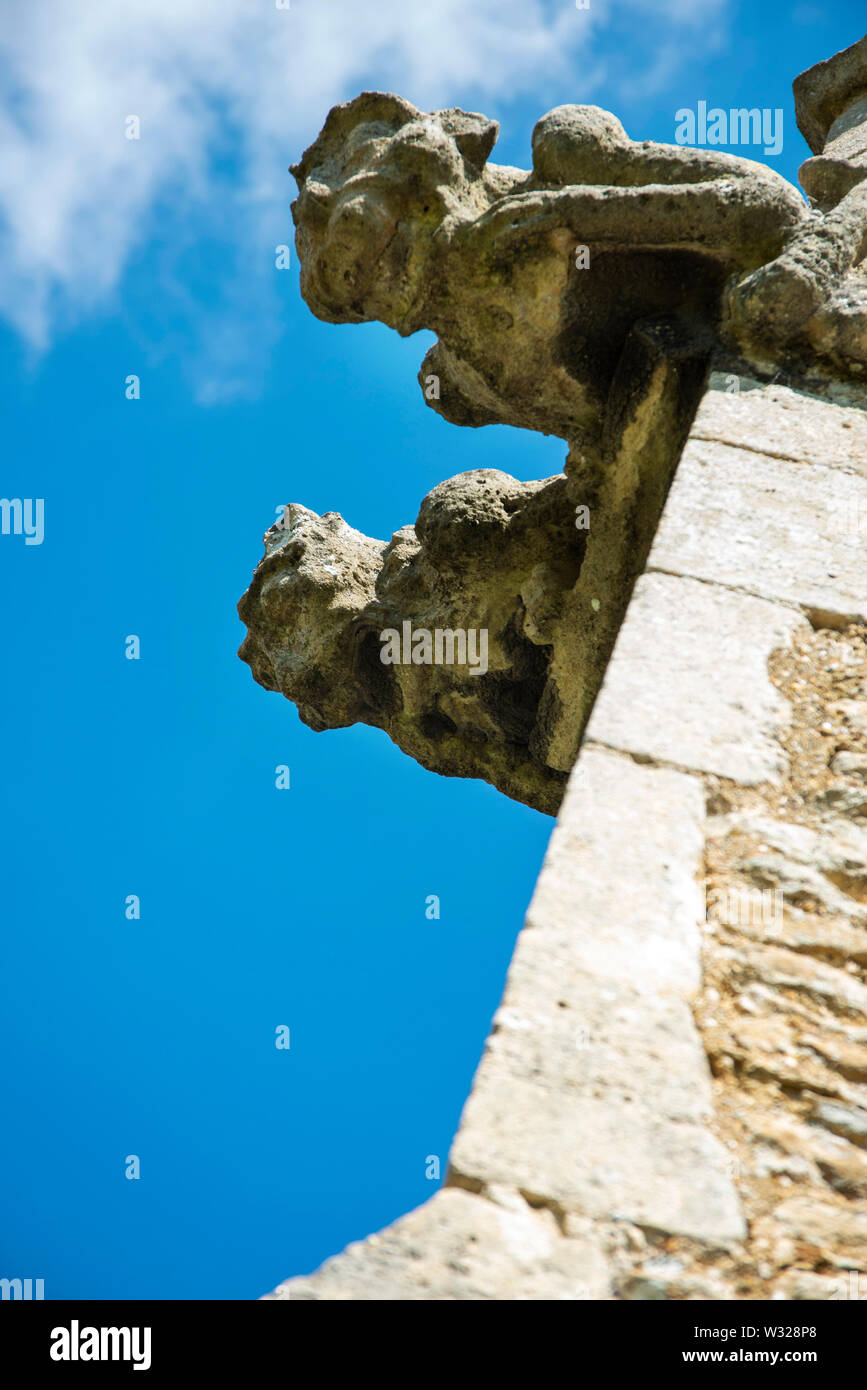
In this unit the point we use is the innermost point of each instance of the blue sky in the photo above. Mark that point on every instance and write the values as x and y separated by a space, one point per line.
156 777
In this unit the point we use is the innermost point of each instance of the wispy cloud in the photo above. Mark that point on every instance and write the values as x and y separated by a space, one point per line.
217 82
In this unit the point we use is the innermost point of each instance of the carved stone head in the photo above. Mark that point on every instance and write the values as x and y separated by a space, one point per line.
532 280
374 188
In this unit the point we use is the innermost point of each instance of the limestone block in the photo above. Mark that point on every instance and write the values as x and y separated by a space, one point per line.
594 1092
462 1246
781 530
688 681
785 423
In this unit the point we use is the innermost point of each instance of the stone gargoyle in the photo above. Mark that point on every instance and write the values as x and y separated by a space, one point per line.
586 298
401 218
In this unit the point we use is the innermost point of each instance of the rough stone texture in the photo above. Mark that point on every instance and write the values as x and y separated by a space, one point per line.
826 90
487 555
585 297
783 1006
400 218
462 1246
812 299
673 1099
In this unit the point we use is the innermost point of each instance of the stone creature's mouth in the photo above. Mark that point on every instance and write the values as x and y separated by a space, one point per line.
347 262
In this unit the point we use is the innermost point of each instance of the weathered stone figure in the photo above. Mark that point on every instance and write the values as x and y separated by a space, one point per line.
813 298
400 218
586 298
672 1101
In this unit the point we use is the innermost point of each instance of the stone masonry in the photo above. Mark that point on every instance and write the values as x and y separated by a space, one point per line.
672 1103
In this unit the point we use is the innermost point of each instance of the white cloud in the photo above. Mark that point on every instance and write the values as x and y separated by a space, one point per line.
210 76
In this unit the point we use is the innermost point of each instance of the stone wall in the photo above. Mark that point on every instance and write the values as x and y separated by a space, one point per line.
672 1102
673 1099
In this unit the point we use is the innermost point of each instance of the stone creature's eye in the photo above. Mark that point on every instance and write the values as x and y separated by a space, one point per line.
365 155
317 192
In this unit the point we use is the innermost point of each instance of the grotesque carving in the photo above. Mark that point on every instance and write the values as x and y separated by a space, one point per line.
585 298
831 108
401 219
812 299
442 637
